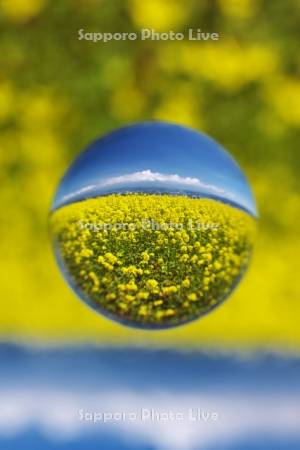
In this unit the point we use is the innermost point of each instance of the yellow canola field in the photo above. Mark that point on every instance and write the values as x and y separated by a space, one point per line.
153 260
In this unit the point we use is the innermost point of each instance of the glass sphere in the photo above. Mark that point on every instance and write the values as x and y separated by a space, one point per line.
153 225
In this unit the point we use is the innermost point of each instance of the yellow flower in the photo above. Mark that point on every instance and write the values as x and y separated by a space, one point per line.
186 283
169 290
158 303
152 284
184 257
123 306
159 315
170 312
143 311
145 257
217 265
208 256
132 270
131 286
94 278
111 258
142 295
86 252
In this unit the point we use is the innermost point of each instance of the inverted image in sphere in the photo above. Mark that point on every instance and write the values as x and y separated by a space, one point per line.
153 225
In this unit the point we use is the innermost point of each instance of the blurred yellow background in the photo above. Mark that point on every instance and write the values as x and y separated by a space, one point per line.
57 94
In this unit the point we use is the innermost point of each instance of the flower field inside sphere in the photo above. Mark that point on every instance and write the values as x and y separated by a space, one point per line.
152 260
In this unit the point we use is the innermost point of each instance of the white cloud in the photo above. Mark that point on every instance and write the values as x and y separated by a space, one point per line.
80 191
240 415
149 176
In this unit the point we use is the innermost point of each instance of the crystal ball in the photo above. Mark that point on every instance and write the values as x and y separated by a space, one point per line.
153 225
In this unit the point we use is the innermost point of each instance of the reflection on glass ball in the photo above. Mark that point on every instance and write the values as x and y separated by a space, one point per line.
153 225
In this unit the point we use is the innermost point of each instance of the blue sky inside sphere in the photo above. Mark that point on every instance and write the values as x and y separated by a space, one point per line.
156 157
